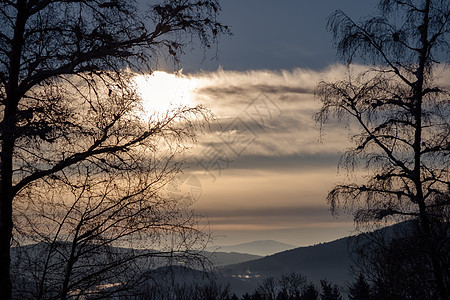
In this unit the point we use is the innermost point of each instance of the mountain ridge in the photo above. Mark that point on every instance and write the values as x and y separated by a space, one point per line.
330 260
258 247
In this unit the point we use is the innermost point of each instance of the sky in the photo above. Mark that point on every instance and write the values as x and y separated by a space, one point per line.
264 166
275 35
263 169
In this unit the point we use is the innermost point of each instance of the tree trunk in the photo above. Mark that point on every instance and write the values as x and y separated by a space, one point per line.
6 223
7 194
8 136
425 221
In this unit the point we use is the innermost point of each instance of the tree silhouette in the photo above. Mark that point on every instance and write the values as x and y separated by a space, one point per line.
69 128
329 292
403 117
310 293
360 289
268 288
289 286
292 285
384 254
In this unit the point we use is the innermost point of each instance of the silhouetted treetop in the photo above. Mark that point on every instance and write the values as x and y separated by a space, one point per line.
42 39
394 37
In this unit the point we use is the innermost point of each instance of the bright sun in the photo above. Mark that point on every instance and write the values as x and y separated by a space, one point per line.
161 91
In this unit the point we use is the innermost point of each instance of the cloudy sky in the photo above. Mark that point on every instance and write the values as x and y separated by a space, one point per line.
264 169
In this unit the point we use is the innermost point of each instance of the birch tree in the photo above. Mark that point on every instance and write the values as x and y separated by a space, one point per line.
401 115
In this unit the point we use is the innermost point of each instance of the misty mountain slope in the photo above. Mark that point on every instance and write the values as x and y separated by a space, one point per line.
224 258
329 261
38 251
263 248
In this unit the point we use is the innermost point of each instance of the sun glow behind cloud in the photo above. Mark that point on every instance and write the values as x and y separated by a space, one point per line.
278 163
161 91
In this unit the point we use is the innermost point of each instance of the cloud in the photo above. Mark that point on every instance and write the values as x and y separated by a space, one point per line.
265 166
265 113
262 88
270 113
295 224
274 216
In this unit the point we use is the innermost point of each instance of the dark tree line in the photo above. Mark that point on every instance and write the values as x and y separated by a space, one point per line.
290 286
293 286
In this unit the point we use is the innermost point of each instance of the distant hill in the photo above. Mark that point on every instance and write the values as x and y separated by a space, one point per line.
217 258
224 258
329 261
256 248
242 272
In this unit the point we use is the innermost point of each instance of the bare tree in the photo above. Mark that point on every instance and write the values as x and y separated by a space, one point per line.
292 285
69 129
268 288
288 286
403 118
81 221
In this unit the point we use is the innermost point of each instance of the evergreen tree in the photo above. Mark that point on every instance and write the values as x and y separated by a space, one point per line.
360 289
310 292
329 291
